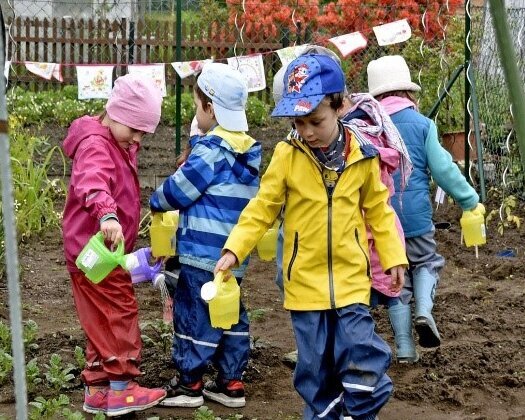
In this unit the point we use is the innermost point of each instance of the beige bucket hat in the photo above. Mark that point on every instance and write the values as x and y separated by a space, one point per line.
389 73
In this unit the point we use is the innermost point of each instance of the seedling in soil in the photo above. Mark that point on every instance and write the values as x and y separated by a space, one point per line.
32 375
54 408
57 375
6 366
159 334
79 357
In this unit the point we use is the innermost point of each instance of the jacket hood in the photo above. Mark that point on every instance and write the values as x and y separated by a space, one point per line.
244 153
81 129
360 147
393 104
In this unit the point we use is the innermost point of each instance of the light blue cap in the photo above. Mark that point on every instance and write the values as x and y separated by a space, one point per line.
228 92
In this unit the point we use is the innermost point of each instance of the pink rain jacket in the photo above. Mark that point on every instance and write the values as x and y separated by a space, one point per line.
104 180
388 163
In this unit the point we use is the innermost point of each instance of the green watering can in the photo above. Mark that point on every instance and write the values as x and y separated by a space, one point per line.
97 261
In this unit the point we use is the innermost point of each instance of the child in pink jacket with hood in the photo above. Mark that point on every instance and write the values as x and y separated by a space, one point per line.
104 195
377 127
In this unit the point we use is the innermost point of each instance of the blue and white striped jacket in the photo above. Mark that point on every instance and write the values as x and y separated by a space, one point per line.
210 190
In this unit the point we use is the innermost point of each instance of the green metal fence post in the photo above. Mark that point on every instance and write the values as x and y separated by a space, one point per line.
11 247
510 69
467 87
433 111
178 81
477 133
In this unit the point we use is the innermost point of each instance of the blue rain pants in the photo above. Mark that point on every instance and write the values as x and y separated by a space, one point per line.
341 361
195 342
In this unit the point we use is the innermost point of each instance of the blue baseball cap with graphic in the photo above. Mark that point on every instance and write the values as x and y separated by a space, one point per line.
308 79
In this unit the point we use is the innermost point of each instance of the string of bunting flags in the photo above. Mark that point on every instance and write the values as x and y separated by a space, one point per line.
95 80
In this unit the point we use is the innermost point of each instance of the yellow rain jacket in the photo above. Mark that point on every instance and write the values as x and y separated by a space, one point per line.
325 262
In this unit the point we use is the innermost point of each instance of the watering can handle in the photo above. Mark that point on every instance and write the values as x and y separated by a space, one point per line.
120 247
163 218
157 217
223 276
157 265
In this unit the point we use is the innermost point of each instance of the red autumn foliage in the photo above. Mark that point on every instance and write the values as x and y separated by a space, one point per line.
264 19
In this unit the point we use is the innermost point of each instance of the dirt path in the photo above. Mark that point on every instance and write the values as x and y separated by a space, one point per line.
478 372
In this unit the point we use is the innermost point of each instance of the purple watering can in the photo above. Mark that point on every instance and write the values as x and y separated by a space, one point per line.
143 270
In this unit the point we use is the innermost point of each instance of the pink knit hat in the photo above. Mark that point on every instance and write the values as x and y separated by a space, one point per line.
135 101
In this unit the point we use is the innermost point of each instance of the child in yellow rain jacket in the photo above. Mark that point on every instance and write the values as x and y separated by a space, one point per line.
327 177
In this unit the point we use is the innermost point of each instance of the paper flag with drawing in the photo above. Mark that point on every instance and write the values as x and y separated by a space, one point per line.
289 54
252 68
155 71
393 33
189 68
45 70
349 43
94 82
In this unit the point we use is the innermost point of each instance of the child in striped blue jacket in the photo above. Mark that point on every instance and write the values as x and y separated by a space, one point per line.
211 188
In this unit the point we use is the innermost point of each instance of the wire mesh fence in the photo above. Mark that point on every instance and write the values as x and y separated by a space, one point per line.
127 32
145 31
502 165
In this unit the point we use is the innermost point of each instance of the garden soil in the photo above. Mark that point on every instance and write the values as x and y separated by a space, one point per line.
477 373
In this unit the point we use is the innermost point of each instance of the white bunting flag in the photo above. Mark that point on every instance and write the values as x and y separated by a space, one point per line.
189 68
288 54
349 43
45 70
440 197
57 72
252 68
155 71
393 33
94 82
7 67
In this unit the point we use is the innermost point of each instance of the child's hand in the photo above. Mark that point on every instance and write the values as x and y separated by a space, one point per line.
112 231
227 261
397 274
479 209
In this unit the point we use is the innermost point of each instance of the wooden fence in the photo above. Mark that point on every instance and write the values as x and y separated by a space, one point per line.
120 42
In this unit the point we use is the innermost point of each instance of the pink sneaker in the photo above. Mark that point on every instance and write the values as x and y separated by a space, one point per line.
96 403
133 398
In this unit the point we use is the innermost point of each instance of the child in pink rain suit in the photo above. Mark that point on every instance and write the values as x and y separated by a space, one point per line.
104 195
376 127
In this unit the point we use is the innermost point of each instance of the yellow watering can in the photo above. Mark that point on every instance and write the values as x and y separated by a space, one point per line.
473 227
267 245
224 299
162 233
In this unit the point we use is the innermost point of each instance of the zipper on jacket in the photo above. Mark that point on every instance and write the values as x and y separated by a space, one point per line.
364 253
330 265
294 253
329 194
